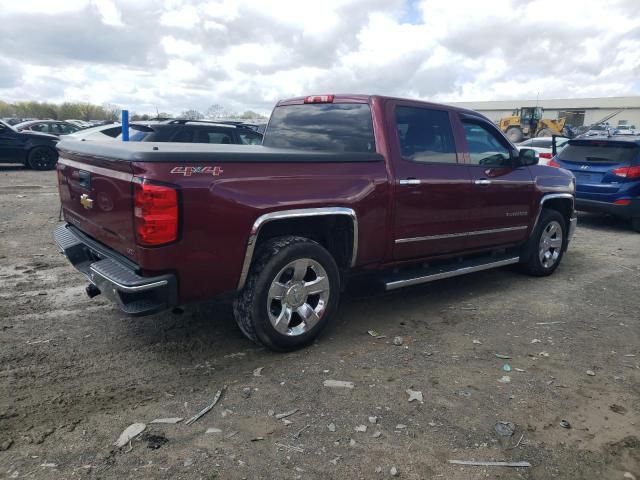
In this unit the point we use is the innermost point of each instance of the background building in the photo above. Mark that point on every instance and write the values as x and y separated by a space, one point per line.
579 111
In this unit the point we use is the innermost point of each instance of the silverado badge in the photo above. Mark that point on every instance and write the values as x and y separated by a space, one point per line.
85 201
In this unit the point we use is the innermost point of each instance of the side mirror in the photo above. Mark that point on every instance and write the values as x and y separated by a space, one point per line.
527 157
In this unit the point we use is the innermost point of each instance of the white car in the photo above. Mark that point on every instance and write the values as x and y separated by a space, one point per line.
542 145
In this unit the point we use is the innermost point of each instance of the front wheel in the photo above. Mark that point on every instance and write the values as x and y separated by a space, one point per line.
290 295
515 135
545 132
42 158
545 248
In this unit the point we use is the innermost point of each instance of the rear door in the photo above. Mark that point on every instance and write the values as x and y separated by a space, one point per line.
599 166
501 193
432 183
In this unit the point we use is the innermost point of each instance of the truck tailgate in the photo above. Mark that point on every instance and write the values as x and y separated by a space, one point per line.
97 197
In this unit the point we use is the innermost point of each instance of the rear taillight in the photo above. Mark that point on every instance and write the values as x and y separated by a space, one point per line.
319 99
553 163
155 213
545 155
627 172
623 202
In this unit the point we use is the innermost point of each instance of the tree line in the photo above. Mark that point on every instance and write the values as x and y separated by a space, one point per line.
107 111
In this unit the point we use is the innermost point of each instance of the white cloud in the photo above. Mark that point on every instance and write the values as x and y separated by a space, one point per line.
179 54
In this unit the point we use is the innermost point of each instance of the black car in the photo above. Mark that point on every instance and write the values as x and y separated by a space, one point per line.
32 149
54 127
179 131
195 131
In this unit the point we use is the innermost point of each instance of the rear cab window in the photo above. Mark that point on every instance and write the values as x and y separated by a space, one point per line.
599 152
333 127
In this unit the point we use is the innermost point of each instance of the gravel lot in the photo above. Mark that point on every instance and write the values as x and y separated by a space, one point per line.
75 372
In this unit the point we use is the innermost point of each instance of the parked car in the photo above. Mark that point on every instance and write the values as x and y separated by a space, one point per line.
543 146
32 149
607 172
625 130
53 127
178 131
433 192
79 123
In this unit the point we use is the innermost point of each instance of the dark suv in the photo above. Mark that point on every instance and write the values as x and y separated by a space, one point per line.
33 149
192 131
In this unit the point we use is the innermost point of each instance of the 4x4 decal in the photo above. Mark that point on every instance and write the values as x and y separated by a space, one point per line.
188 171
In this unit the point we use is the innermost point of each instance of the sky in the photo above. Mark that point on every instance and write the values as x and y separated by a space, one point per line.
174 55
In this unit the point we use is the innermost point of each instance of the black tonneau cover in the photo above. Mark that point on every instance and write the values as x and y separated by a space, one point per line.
203 152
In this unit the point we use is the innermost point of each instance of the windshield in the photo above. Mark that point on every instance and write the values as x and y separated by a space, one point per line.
599 152
335 127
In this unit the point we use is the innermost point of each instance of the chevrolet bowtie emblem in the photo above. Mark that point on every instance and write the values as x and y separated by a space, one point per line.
85 201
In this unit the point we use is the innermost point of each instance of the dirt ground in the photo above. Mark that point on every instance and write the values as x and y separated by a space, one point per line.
75 372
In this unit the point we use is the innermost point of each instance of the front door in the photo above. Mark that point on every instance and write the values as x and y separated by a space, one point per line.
432 184
502 192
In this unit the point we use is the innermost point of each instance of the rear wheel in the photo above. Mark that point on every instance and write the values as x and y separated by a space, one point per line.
547 244
635 224
545 132
42 158
515 135
290 295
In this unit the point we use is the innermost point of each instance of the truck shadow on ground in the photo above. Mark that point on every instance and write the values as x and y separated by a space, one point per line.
208 329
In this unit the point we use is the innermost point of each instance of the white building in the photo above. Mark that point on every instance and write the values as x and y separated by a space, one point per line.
579 111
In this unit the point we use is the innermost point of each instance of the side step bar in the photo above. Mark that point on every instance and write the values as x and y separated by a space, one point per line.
449 271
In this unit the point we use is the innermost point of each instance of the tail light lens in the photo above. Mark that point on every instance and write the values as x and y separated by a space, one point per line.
623 202
553 163
155 213
545 155
627 172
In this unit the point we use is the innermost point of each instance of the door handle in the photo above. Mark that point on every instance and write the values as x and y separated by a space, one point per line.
482 181
410 181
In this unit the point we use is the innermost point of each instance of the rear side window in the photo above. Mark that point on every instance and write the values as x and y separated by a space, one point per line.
215 136
598 152
485 147
334 127
425 135
250 138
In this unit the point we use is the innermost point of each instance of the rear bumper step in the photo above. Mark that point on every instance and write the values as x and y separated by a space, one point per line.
438 273
134 294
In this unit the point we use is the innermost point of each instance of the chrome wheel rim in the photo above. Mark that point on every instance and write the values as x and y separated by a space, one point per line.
550 244
298 297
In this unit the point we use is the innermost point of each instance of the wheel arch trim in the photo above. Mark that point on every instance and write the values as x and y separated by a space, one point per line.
292 214
553 196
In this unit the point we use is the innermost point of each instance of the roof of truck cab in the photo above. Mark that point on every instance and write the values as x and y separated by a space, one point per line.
363 98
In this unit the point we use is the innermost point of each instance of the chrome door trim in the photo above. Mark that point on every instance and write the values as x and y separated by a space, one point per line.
453 273
461 234
410 181
287 214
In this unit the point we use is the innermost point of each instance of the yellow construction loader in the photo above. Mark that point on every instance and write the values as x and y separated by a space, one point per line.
527 122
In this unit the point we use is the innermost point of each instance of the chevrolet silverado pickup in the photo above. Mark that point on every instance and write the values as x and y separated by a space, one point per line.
404 190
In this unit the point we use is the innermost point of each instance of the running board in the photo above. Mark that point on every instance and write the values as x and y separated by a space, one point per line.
449 271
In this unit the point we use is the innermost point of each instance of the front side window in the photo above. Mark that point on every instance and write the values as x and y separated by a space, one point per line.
425 135
484 147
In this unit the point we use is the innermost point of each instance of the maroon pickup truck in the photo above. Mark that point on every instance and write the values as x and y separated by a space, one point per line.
409 190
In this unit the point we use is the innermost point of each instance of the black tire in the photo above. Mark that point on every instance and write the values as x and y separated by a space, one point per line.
545 132
252 308
635 224
42 158
531 260
515 135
